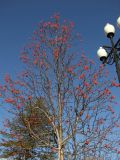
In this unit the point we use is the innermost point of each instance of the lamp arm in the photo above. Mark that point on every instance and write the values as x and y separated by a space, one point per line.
117 43
107 47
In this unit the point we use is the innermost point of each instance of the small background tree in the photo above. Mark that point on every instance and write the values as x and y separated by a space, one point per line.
18 140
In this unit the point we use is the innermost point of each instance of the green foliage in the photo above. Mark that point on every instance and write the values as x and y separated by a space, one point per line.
19 141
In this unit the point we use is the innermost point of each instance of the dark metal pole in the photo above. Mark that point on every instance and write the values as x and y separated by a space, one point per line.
117 65
116 57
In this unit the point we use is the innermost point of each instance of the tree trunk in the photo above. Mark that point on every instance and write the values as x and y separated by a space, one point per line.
60 154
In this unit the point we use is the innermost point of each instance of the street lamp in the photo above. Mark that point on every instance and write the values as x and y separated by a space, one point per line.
111 54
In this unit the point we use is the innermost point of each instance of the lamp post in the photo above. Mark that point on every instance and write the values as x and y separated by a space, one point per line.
111 54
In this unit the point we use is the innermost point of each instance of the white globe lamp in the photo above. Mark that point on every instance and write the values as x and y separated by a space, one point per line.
118 21
109 30
102 54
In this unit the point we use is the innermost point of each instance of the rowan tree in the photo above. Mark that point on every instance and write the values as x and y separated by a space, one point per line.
77 97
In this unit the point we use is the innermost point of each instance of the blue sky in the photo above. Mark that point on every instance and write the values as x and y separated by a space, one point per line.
18 19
